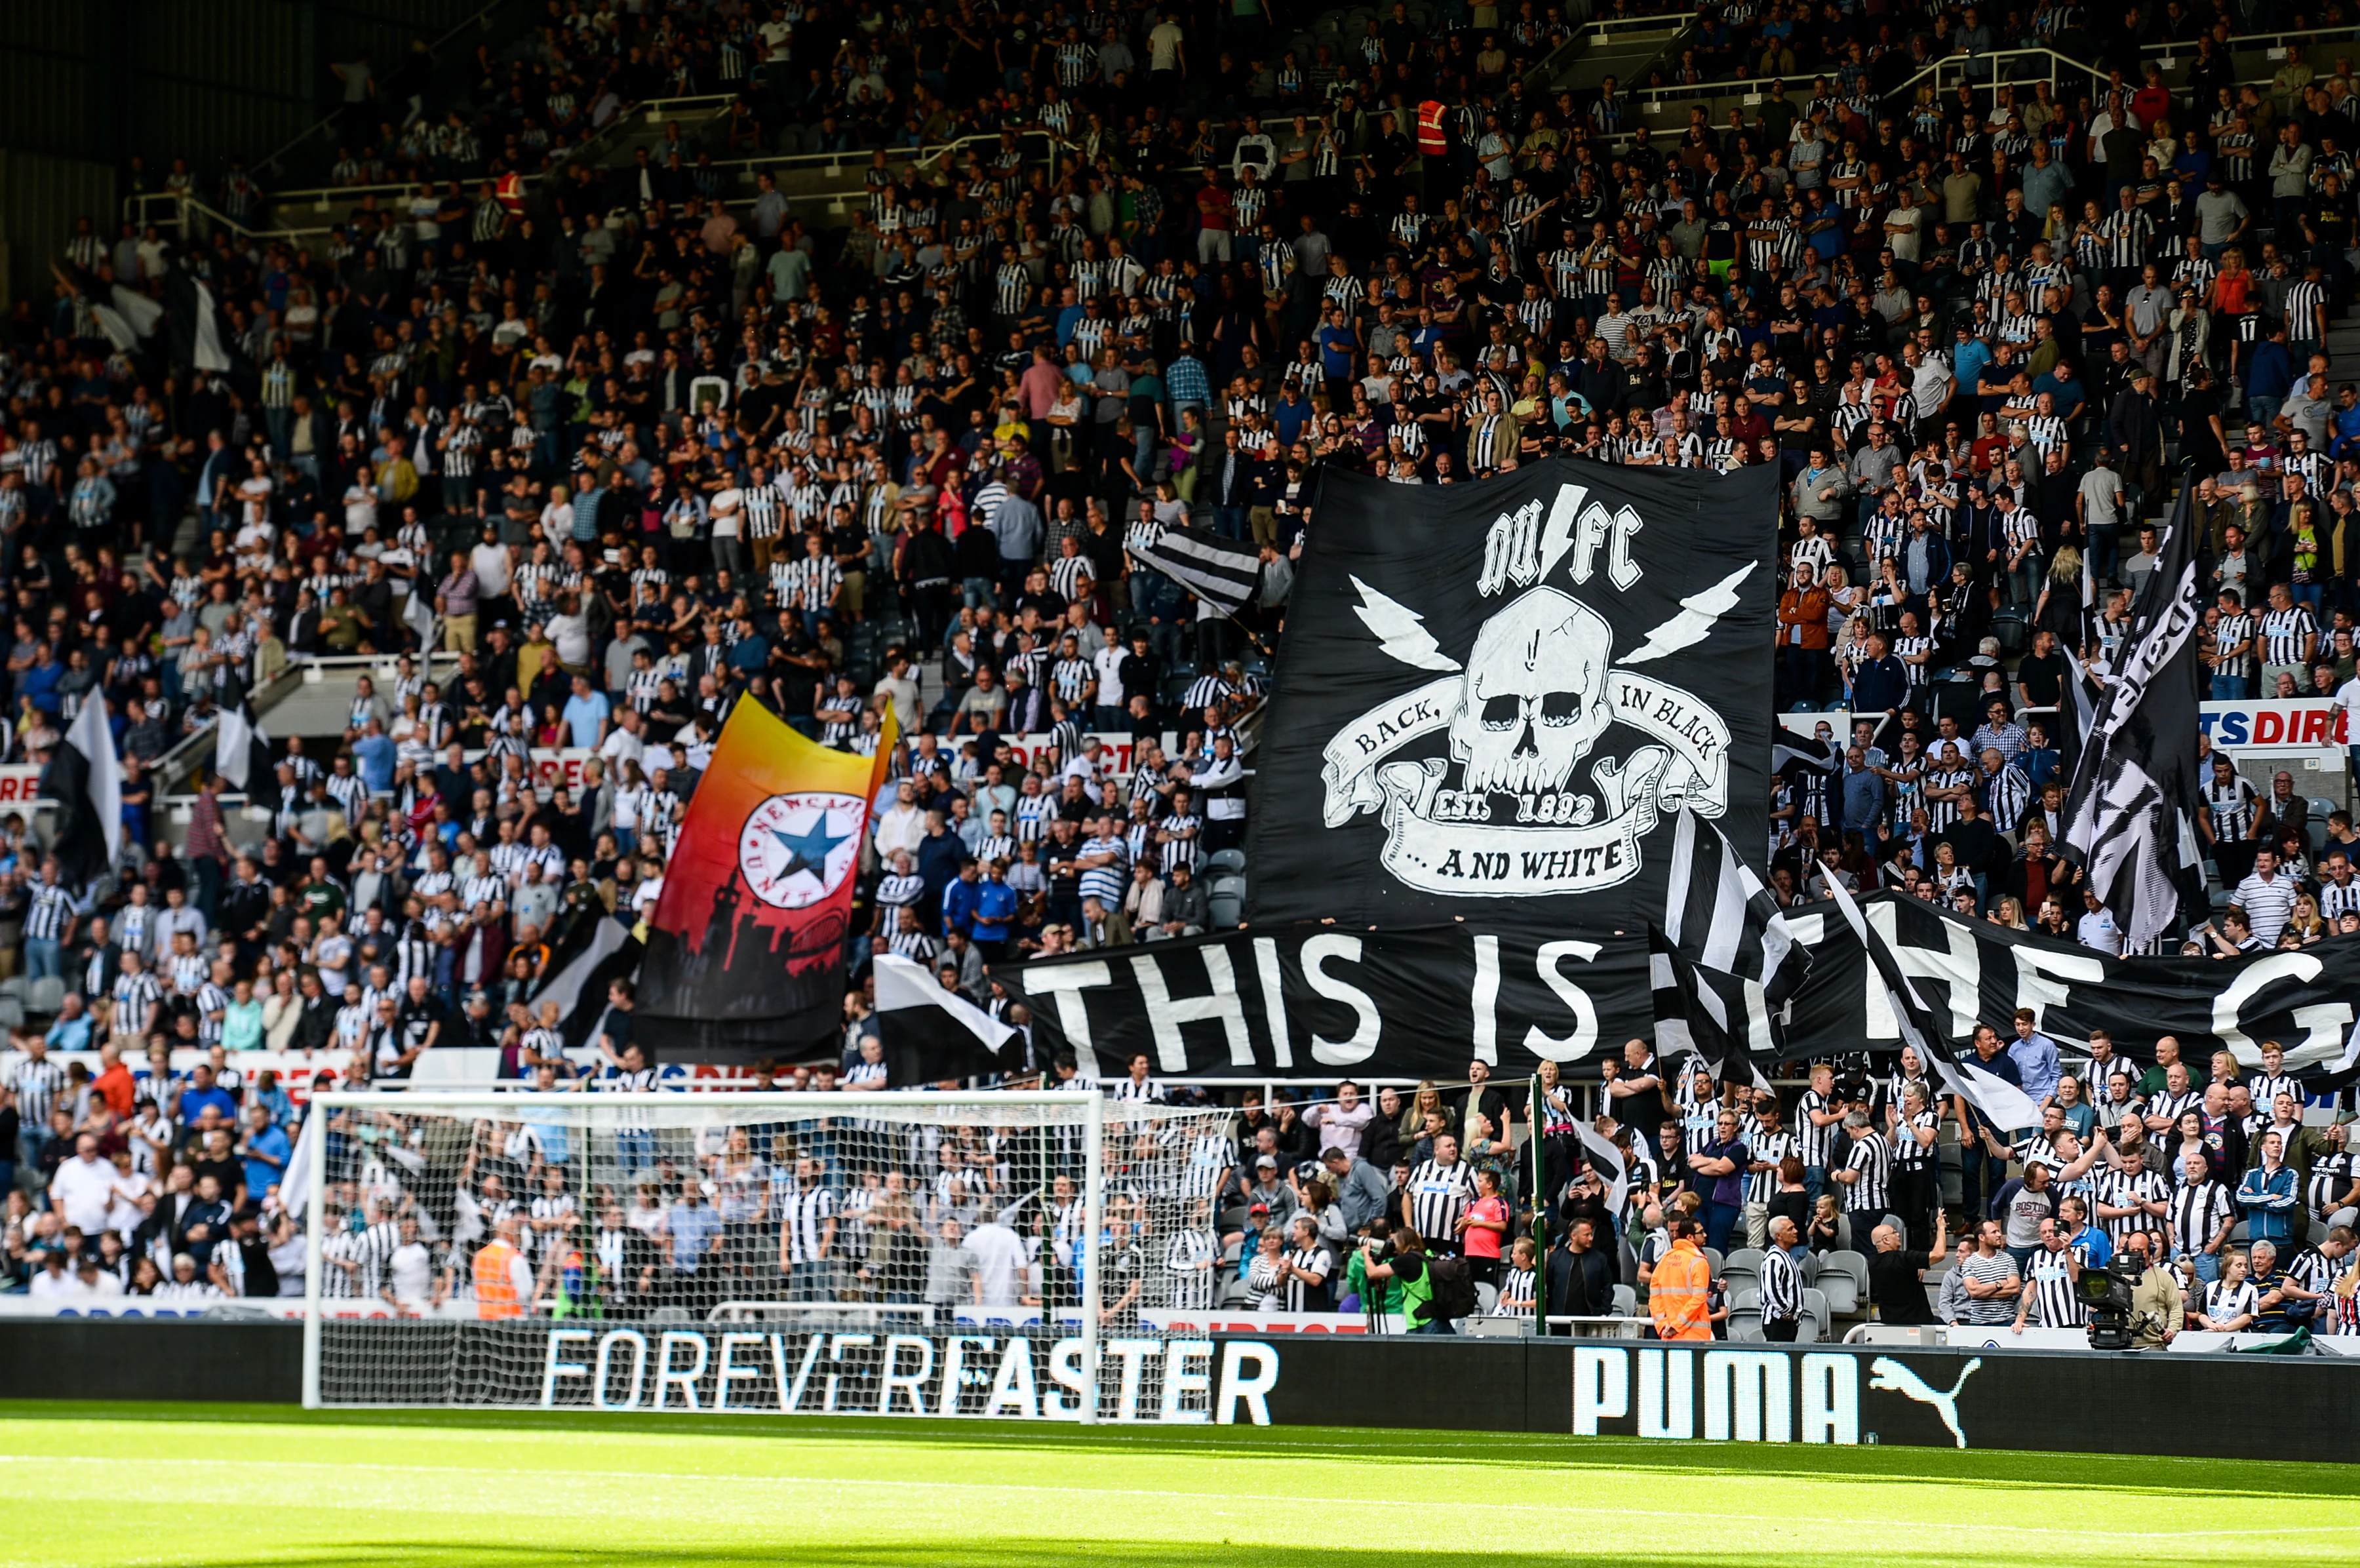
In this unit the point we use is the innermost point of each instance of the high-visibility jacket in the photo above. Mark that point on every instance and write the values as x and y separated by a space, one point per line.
1432 139
496 1286
1676 1293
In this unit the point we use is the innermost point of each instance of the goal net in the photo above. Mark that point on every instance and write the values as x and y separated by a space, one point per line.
1002 1254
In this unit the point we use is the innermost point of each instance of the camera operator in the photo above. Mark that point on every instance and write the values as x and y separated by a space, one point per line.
1406 1267
2157 1308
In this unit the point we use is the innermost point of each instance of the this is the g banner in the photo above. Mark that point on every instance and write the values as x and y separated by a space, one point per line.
877 1372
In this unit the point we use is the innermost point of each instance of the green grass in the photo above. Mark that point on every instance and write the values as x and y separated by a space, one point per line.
97 1486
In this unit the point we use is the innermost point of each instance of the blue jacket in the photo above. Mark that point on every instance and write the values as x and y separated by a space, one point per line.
2271 374
2268 1197
958 905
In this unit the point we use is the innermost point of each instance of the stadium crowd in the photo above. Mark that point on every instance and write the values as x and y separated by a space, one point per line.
591 452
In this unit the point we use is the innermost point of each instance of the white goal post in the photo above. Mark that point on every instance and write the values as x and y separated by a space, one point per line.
742 1251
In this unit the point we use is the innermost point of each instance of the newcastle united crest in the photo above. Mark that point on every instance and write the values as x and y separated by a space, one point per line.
1560 750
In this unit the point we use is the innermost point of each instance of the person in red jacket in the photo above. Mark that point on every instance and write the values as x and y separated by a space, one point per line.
1802 639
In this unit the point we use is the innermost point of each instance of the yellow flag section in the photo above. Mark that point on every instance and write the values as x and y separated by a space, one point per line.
745 952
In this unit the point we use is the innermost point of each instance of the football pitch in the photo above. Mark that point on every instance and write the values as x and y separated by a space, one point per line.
99 1485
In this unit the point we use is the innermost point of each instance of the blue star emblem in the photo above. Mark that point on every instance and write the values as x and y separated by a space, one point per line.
809 851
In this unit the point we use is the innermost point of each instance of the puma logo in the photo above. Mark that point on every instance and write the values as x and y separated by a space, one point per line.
1886 1373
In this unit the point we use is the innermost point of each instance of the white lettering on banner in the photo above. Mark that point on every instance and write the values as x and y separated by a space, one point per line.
1959 965
1368 1026
1236 1385
2038 977
1504 813
1273 1000
728 1371
1165 1016
554 1365
636 1343
1013 1387
1485 999
1601 1386
1179 1382
1065 1371
2275 722
837 1344
1133 1354
1066 982
669 1377
954 1371
1831 1398
913 1383
2322 1042
1584 1037
924 1374
1746 1398
1446 841
1666 1393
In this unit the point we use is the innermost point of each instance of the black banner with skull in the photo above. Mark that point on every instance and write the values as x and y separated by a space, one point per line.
1492 697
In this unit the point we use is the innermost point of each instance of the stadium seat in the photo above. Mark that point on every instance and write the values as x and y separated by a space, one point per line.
1843 1233
1713 1258
1227 910
1900 1227
1487 1296
1628 1263
669 1315
1226 862
1228 887
45 996
1843 1280
1816 1321
1626 1302
1810 1268
1741 1265
1745 1314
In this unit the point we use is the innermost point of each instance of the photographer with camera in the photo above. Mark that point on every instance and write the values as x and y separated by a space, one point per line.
2157 1307
1424 1309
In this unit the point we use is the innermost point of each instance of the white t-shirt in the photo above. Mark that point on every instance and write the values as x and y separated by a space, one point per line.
1164 43
726 513
1000 1260
84 1189
410 1271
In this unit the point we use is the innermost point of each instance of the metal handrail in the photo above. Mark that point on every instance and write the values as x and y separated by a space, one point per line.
2172 51
478 15
648 110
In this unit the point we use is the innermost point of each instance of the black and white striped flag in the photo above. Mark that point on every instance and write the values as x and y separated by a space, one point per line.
2007 1105
85 778
930 1033
1722 962
2130 818
241 749
1224 573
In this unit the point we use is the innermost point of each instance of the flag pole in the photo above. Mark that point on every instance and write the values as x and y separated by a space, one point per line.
1537 1143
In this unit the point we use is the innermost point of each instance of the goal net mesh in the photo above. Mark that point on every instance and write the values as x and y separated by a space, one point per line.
456 1237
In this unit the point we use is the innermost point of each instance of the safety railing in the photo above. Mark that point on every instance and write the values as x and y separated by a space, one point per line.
479 17
2169 56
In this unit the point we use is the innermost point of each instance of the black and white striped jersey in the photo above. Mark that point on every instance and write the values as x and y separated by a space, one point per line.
1437 1194
1871 1158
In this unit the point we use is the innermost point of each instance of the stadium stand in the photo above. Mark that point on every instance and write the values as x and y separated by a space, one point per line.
663 357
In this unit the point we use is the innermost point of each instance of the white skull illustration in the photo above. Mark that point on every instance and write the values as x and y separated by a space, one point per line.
1533 701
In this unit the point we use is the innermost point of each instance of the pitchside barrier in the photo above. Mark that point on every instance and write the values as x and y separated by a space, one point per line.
2235 1406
